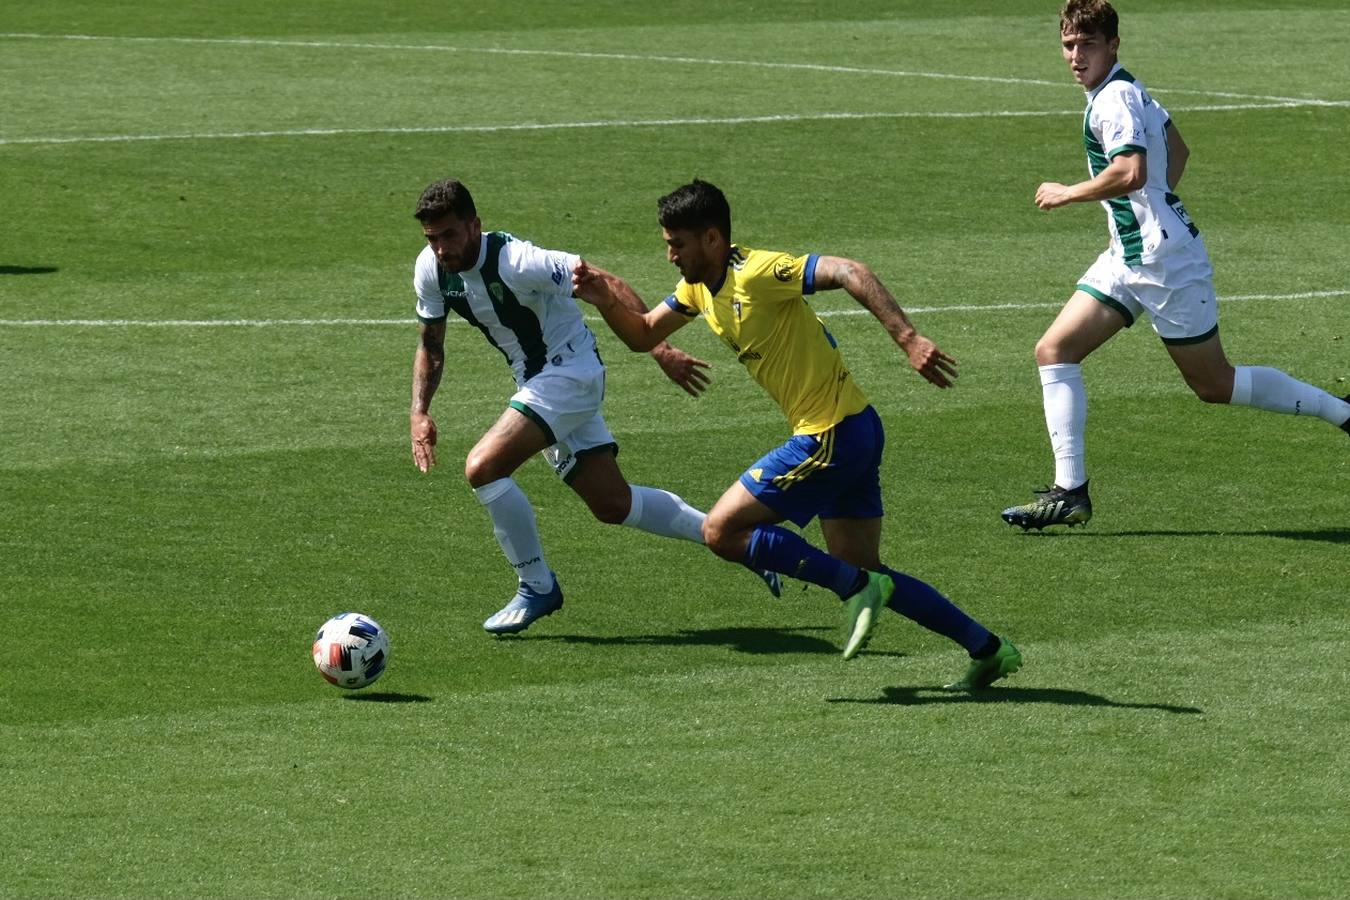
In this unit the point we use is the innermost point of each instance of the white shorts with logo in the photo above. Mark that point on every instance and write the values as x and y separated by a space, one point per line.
1177 291
565 399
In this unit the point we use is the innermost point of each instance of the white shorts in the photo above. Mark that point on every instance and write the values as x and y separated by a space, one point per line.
565 400
1177 291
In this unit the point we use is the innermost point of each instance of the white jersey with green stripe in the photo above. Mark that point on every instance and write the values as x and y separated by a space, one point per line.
518 295
1122 117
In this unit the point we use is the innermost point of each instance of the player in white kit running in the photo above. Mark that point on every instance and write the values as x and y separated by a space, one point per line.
1156 263
520 298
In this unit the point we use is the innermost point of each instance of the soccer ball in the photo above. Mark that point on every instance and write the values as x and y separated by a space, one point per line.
351 650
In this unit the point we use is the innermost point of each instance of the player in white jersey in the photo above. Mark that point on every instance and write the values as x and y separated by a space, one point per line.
1156 263
520 297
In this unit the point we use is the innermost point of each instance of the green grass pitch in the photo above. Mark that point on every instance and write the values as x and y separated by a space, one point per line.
183 503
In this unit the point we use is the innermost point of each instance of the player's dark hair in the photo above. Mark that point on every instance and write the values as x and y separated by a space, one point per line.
1089 17
442 198
695 206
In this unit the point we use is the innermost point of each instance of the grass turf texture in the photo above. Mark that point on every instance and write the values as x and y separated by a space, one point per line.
184 505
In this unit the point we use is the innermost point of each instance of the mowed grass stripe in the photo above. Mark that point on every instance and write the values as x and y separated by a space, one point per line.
341 322
618 123
655 58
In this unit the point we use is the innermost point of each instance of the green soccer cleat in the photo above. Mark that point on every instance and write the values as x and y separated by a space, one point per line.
863 608
1006 660
1053 506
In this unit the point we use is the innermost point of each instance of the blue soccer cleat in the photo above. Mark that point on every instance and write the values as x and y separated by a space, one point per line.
526 606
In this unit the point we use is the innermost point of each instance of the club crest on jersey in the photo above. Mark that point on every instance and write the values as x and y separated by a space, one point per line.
782 270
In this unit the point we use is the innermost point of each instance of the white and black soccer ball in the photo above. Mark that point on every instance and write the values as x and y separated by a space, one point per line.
351 650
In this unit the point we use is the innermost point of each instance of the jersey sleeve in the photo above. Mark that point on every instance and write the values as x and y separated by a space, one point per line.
427 287
685 300
1118 118
784 276
526 267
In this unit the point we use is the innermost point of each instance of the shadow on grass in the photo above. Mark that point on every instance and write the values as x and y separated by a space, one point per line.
742 640
387 697
27 270
1329 535
918 696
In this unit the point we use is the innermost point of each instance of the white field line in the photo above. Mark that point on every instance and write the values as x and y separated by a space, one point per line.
404 323
616 123
1263 101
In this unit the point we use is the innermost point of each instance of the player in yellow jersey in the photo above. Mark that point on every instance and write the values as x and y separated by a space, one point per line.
755 301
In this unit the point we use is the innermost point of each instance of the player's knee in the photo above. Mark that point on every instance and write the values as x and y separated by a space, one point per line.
1211 392
480 469
1049 351
610 509
722 540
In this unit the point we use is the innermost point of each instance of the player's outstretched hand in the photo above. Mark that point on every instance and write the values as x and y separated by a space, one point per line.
683 369
930 362
1051 195
588 282
423 441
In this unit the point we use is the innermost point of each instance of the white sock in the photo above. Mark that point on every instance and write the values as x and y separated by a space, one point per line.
513 523
1270 389
1065 401
661 512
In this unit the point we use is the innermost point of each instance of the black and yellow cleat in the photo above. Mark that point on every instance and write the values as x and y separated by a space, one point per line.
1052 506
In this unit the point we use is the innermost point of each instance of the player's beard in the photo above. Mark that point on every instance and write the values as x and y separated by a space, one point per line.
460 262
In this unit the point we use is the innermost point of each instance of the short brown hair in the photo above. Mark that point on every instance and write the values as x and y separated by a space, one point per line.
442 198
1089 17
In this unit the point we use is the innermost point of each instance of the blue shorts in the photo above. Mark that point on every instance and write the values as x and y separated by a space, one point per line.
835 474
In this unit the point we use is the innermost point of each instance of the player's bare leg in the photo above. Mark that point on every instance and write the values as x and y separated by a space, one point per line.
1214 380
600 484
1205 369
732 522
1083 324
856 541
503 448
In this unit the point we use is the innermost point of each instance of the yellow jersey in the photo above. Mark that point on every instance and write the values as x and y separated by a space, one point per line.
760 310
